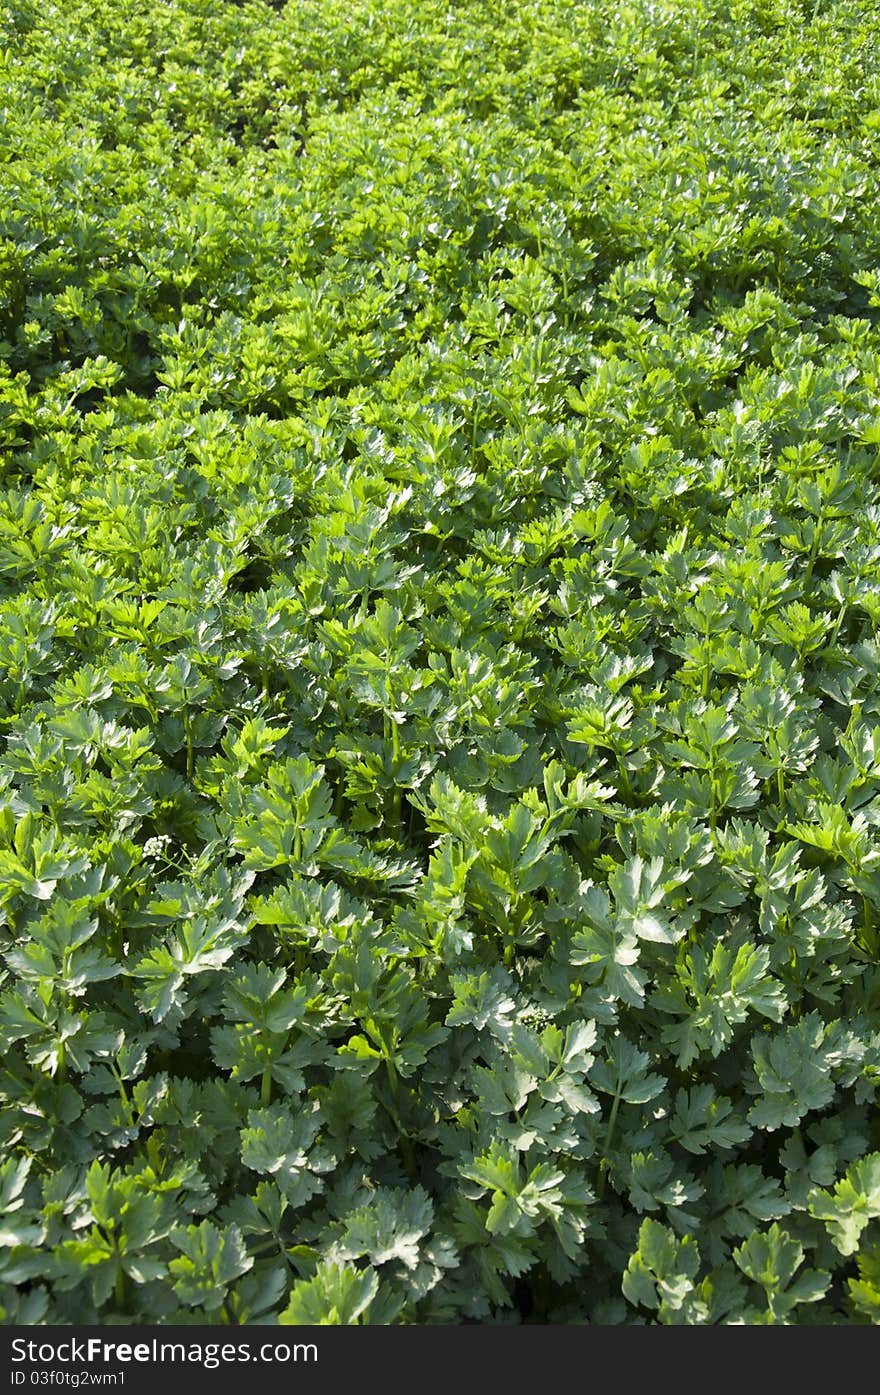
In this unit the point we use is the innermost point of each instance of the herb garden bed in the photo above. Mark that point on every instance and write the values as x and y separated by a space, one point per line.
439 594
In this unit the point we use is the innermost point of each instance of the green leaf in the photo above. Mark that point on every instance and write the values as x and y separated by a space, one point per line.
771 1259
851 1204
661 1272
339 1294
210 1260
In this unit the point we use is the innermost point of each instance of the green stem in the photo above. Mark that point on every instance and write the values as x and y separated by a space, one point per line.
123 1093
397 793
606 1147
625 782
266 1087
707 670
869 935
119 1286
813 553
190 753
393 1077
837 624
406 1148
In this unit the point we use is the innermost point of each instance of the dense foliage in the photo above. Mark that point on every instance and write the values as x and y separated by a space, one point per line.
439 606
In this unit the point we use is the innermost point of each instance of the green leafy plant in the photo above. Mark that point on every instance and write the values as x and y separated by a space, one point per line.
439 663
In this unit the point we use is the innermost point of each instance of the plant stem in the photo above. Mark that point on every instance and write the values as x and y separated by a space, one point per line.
609 1135
406 1148
837 624
190 753
868 927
